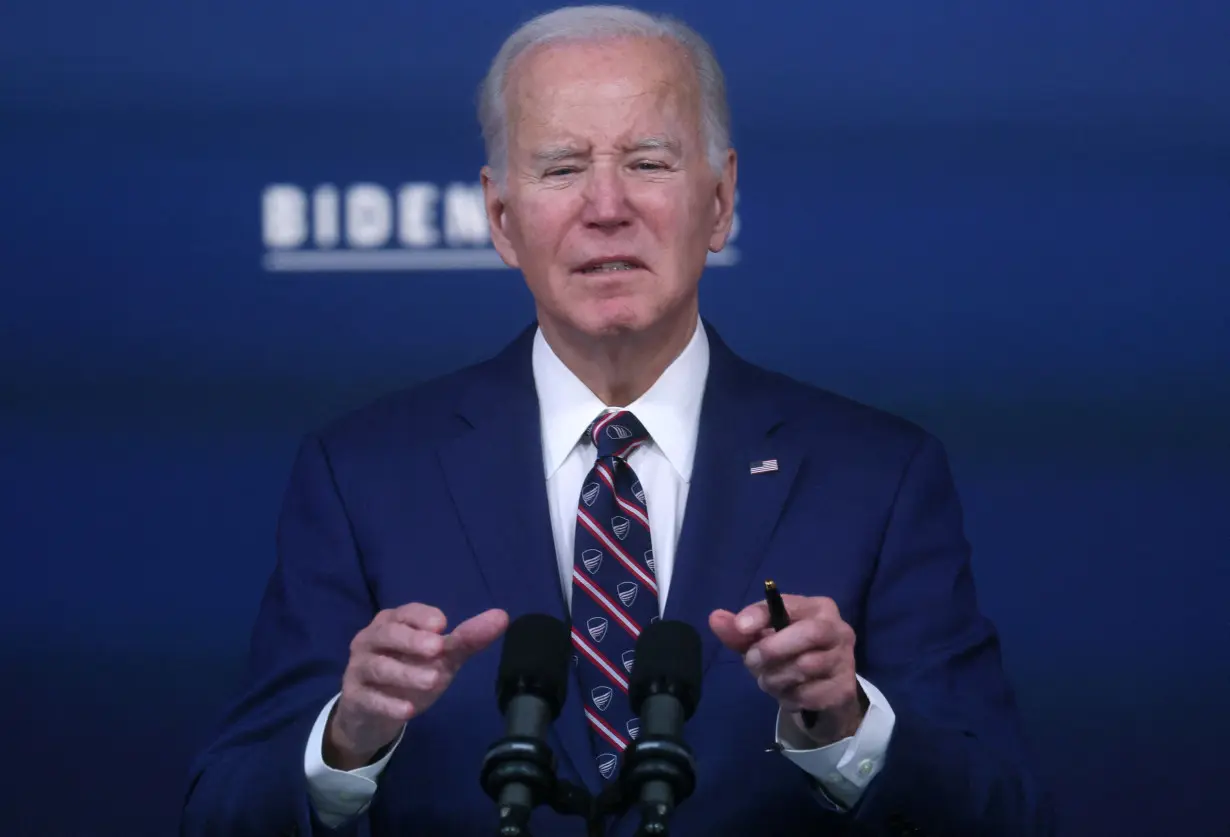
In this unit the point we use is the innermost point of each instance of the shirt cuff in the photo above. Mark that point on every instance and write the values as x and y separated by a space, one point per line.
844 768
339 795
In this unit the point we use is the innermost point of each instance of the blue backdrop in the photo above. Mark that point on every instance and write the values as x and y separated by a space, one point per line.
225 222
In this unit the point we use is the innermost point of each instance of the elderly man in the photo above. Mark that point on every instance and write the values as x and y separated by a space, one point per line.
414 528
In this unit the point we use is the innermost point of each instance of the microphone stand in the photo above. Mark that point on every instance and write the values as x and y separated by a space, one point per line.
658 773
529 762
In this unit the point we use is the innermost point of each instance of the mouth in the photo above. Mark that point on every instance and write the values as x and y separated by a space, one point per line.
613 264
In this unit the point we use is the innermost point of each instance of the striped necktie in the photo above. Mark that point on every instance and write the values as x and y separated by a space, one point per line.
614 591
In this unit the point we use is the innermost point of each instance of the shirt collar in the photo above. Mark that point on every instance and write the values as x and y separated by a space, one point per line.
669 410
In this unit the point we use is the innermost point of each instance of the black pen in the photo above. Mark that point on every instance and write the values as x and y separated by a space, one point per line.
780 620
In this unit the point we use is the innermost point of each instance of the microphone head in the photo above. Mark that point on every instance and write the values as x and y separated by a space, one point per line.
668 661
534 661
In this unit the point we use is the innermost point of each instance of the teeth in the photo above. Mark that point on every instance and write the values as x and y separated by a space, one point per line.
606 266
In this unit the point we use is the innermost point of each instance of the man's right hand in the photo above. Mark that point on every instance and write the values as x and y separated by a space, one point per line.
399 665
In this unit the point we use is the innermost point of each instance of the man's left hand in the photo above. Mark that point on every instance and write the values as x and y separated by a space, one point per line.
809 665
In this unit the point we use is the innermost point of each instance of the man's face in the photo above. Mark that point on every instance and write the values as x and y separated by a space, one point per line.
610 205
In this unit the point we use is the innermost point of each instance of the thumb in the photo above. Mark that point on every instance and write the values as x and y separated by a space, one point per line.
475 634
722 623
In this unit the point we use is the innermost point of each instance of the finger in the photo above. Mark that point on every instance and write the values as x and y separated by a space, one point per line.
475 634
401 679
753 619
722 623
809 635
410 644
421 616
814 665
800 606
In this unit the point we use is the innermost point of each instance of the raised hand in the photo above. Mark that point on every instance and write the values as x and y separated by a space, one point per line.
399 666
809 665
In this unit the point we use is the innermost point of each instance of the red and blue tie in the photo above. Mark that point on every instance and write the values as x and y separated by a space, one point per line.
614 589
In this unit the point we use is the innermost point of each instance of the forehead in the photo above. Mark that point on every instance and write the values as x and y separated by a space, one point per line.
599 90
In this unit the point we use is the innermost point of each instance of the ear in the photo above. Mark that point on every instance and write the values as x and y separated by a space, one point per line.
497 217
724 202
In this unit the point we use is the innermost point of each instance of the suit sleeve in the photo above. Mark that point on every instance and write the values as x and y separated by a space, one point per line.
250 781
957 763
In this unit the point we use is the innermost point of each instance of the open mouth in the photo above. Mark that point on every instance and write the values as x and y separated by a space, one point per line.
610 265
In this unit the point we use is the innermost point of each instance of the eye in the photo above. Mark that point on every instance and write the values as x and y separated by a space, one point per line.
560 170
650 165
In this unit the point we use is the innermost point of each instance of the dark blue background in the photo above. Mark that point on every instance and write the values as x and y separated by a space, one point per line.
1008 222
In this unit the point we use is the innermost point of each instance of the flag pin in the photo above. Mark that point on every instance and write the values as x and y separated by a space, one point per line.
763 466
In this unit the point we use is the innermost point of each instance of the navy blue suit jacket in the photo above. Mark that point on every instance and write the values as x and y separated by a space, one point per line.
435 494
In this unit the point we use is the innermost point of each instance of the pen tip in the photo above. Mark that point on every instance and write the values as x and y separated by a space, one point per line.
769 585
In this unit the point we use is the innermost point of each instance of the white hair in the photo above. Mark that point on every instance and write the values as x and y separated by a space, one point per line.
595 23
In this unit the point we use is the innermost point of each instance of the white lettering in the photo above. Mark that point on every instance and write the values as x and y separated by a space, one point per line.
412 226
416 206
284 216
369 215
465 215
326 216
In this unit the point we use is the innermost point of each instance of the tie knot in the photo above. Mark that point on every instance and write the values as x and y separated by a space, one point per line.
617 434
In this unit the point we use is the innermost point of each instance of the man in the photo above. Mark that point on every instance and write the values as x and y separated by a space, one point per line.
415 528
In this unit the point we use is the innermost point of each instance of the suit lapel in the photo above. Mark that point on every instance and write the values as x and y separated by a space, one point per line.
731 512
494 472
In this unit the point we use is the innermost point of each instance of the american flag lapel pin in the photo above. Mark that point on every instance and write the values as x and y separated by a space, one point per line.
763 466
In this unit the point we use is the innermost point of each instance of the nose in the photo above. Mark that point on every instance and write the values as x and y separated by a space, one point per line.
606 198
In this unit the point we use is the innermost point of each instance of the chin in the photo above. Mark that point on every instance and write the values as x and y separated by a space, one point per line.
607 328
601 317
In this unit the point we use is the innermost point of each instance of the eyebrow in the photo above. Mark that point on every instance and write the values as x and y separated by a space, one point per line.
656 143
557 153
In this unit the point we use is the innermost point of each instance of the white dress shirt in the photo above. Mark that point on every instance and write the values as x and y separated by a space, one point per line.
670 412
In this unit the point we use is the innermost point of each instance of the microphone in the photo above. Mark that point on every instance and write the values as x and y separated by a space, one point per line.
659 770
518 771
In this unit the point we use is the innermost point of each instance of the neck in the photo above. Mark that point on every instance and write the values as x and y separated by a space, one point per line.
619 368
